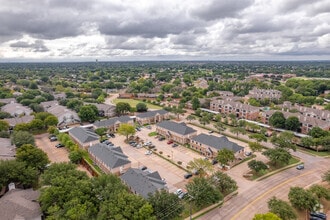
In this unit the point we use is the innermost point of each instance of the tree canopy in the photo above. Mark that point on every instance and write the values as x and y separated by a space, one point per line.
20 138
122 108
282 209
88 113
302 199
32 156
141 107
277 120
225 156
126 130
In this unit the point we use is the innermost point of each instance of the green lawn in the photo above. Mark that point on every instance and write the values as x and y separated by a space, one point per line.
134 102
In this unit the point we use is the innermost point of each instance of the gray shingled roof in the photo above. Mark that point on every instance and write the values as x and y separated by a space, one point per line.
84 135
112 156
179 128
111 121
143 182
152 113
217 143
20 204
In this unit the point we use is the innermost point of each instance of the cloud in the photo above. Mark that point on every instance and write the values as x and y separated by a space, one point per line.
220 9
37 46
187 28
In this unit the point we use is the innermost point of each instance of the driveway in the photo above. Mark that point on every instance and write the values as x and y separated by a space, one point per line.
55 155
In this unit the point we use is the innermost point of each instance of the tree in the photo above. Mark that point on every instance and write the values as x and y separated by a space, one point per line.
32 156
204 119
126 130
278 156
219 126
4 126
76 156
301 198
88 113
100 131
277 120
122 108
320 191
292 123
195 103
237 130
282 209
326 176
258 137
36 124
17 172
191 118
166 205
22 127
51 120
306 141
266 216
255 146
141 107
257 165
225 156
224 183
20 138
201 166
317 132
284 140
203 192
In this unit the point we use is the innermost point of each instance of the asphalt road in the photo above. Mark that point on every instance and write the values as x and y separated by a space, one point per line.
254 199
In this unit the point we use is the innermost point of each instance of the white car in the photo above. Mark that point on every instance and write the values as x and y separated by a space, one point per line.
178 192
148 152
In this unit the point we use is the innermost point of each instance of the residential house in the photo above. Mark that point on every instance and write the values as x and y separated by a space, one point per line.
312 112
14 121
84 137
240 110
178 132
16 109
146 96
271 94
7 150
113 123
152 117
142 182
8 100
20 204
105 110
209 145
201 83
126 95
109 159
59 96
64 115
221 93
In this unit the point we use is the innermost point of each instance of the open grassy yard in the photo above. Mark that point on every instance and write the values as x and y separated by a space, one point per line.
134 102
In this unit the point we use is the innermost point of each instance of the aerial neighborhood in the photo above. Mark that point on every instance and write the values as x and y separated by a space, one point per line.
128 141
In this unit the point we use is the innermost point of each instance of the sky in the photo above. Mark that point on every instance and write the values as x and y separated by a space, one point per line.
86 30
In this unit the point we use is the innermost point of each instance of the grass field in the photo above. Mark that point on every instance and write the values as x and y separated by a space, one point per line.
133 103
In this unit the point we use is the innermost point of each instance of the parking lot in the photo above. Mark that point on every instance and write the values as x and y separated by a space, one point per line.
55 155
173 175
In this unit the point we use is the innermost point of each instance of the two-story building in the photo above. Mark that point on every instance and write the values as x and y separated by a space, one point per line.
271 94
240 110
84 137
152 117
112 124
178 132
143 183
109 159
209 145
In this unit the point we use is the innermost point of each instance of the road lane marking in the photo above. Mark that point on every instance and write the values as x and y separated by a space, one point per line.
269 191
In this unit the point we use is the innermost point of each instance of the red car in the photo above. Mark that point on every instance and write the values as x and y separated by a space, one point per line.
170 142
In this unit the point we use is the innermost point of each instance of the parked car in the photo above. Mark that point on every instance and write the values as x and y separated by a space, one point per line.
178 192
112 135
138 129
53 138
59 145
182 195
211 132
148 152
214 161
148 126
161 138
319 215
187 175
170 142
143 168
175 145
300 167
151 146
139 146
248 154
